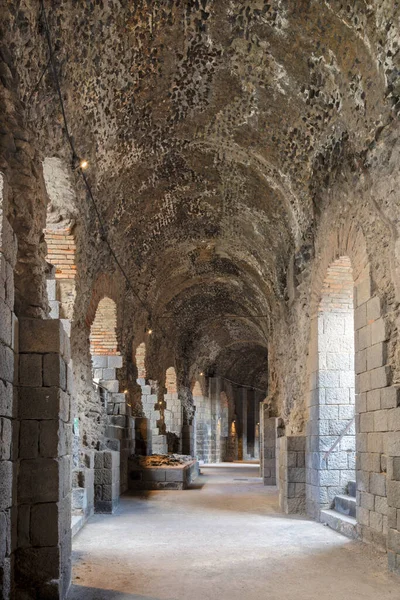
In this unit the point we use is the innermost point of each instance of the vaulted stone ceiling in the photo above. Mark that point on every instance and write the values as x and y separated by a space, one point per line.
213 128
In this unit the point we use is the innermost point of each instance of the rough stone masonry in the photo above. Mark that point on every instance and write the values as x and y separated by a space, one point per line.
238 151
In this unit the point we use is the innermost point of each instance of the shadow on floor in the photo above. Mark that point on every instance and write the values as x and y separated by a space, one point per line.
82 592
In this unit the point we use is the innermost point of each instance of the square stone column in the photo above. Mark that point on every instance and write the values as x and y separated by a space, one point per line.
8 399
270 425
43 553
292 474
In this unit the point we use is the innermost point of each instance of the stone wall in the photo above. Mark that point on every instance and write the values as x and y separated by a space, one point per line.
43 553
292 474
9 426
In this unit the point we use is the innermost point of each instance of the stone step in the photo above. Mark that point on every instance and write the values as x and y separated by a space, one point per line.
340 523
352 488
346 505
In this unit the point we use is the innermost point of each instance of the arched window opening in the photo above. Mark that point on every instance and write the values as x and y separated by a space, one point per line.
60 239
104 346
103 338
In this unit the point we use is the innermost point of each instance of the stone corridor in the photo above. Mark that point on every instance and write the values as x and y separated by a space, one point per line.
200 265
223 539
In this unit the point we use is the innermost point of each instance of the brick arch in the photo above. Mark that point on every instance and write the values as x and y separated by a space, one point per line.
105 286
376 400
103 338
348 241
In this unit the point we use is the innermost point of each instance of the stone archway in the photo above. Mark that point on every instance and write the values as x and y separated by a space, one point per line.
374 396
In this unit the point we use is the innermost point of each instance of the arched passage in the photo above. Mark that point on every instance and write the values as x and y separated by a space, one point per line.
332 410
60 238
104 346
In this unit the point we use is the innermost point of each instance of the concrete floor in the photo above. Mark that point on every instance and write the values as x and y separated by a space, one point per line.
223 540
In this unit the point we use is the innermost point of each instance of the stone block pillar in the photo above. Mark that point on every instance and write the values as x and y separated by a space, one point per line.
8 405
292 474
270 425
43 553
106 481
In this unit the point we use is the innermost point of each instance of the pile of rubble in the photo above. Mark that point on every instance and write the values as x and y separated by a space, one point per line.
162 460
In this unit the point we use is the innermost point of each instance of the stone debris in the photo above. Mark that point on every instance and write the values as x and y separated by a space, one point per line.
162 460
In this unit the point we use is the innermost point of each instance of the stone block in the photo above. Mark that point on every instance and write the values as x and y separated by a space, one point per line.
376 356
360 317
41 336
30 370
394 419
328 379
375 442
363 338
43 403
381 420
390 397
38 480
379 331
393 493
363 516
38 566
6 399
29 439
374 400
367 500
373 309
379 378
108 375
370 462
362 291
5 439
114 362
381 505
49 436
103 477
23 526
112 386
99 362
6 364
361 402
54 371
394 540
44 524
366 422
361 361
111 459
396 468
377 484
376 521
5 324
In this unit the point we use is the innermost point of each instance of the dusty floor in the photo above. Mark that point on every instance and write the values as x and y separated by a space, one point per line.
223 540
